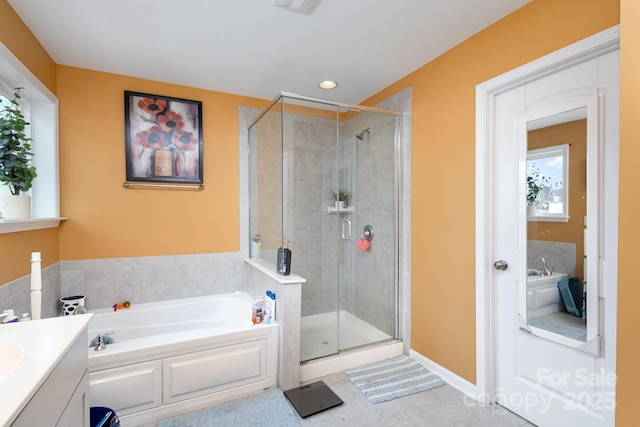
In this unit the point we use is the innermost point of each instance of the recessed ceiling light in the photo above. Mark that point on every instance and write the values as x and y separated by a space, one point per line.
327 84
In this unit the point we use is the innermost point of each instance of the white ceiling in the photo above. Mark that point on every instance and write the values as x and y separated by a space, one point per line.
253 48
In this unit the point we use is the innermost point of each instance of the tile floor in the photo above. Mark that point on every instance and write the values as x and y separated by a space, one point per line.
444 406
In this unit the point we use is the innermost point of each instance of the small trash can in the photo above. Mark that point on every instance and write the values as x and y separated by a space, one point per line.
103 417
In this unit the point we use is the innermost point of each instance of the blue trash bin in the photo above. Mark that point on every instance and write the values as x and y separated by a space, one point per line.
103 417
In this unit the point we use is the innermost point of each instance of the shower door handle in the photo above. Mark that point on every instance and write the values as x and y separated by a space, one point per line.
346 229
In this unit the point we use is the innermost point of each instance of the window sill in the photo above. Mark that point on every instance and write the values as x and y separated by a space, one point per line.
17 225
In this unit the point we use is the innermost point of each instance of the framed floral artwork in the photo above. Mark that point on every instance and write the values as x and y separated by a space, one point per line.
163 138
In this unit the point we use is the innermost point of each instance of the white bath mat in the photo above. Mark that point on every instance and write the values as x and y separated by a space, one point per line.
392 378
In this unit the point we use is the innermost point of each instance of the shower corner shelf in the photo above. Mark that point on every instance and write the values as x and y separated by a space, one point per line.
332 209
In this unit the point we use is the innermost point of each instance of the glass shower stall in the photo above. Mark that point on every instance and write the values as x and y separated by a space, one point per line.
324 179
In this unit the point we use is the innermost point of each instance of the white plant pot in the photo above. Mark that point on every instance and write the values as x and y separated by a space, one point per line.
15 207
531 210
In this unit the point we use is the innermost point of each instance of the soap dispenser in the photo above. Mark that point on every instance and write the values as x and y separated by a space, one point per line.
284 259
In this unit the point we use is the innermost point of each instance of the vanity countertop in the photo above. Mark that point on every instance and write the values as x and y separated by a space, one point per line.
44 343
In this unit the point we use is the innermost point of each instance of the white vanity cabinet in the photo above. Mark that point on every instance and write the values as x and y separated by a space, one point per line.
50 384
63 398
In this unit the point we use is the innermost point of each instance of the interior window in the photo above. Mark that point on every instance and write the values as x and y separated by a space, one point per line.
547 183
40 108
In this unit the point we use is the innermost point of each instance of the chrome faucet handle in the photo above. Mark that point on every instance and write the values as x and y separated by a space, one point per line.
100 345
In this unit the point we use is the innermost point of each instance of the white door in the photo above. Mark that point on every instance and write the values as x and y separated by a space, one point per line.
537 374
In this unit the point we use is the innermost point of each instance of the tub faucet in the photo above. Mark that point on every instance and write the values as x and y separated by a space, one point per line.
545 270
102 340
100 345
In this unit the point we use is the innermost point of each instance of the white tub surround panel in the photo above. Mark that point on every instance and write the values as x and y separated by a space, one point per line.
178 356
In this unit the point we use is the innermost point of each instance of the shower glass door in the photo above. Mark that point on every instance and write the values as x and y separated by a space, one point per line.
367 273
305 155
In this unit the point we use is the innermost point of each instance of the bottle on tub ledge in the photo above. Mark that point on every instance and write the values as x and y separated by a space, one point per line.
269 307
257 310
284 259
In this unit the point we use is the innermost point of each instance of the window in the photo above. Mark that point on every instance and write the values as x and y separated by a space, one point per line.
40 107
548 183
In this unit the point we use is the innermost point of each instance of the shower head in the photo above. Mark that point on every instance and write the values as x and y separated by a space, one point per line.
360 136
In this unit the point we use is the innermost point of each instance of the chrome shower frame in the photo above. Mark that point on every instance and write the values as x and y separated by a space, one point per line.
292 98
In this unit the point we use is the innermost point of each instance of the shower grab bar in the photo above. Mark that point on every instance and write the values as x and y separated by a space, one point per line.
346 236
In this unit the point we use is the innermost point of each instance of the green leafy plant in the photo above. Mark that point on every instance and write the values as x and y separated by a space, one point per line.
536 182
16 170
341 196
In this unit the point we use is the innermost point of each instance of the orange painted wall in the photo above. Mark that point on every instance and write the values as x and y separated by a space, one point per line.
628 351
16 248
443 164
106 220
19 39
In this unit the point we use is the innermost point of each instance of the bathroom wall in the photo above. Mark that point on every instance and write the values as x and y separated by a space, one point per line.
560 256
109 221
628 351
16 248
16 295
146 279
19 39
443 163
107 281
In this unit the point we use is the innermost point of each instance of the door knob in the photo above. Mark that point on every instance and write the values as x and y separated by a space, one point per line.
500 265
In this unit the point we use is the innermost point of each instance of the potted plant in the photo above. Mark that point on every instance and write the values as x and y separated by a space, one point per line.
340 198
16 171
536 181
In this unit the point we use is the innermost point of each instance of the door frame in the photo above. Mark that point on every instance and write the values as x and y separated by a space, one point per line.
591 47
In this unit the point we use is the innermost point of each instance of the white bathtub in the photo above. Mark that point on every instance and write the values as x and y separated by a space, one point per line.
177 356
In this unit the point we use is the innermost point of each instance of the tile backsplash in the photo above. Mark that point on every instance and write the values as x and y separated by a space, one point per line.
558 255
104 282
16 294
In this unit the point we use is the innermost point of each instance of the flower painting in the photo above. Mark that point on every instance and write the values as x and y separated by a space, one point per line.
163 138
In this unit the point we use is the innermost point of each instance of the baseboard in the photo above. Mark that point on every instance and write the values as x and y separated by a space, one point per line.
451 378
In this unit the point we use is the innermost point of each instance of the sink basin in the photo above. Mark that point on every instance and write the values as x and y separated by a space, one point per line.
11 356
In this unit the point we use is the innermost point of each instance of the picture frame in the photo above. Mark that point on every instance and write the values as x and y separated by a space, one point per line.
163 139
